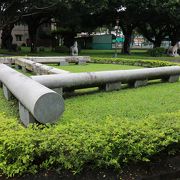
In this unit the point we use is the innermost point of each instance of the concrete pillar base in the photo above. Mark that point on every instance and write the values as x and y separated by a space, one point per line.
25 116
8 95
24 70
9 64
171 79
58 90
63 63
81 62
111 86
17 66
138 83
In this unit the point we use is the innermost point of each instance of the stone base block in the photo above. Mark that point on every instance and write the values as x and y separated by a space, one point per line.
138 83
63 63
58 90
8 95
24 70
111 86
25 116
173 79
81 62
17 67
9 64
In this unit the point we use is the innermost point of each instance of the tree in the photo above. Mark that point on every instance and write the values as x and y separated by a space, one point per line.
10 13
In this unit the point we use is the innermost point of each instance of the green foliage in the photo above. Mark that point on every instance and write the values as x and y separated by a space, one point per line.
133 62
72 145
61 49
157 52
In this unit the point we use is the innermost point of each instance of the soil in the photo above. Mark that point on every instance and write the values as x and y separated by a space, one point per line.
164 168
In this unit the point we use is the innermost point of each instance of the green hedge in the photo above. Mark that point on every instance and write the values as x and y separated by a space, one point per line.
73 145
133 62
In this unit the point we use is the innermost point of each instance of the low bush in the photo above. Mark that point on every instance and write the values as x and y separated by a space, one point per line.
156 52
78 143
133 62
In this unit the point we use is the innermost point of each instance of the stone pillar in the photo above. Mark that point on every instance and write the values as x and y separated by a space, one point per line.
17 66
172 79
111 86
25 116
81 62
8 95
63 63
24 70
58 90
138 83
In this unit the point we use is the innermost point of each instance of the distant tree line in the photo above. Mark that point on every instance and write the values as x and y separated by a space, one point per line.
154 19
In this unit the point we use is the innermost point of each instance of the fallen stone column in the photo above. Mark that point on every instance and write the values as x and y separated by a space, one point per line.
37 68
7 60
36 102
109 80
58 60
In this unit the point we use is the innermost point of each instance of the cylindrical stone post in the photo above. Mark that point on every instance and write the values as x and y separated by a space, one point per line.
45 105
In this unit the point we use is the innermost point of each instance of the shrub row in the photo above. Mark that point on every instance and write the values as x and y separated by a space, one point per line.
133 62
73 145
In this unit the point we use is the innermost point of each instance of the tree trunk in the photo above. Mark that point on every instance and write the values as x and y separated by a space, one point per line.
6 37
157 42
32 29
127 42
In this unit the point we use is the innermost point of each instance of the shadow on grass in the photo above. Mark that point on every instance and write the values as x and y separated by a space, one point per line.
95 90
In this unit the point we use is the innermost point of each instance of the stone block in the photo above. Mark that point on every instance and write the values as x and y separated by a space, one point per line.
138 83
8 95
24 70
63 63
81 62
58 90
17 66
173 79
111 86
25 116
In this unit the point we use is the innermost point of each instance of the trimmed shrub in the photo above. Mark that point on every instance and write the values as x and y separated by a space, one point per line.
157 52
133 62
73 145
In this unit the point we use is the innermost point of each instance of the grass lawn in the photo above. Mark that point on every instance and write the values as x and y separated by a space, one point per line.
93 105
133 104
95 67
